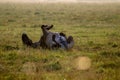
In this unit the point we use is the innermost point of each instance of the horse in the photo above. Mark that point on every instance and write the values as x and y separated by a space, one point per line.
49 40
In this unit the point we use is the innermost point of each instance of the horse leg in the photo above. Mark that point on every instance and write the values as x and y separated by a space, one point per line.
70 42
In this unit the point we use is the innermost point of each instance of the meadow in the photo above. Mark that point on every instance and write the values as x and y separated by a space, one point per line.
95 28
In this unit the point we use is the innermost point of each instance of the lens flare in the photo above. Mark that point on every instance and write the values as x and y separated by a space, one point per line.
82 63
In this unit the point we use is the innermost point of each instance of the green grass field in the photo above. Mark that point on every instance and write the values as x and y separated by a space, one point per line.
95 28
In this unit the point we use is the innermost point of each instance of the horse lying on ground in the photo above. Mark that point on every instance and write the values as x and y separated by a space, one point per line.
50 40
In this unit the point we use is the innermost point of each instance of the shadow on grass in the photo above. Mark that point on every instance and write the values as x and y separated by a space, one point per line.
8 48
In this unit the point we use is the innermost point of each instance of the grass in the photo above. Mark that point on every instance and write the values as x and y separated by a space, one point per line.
95 28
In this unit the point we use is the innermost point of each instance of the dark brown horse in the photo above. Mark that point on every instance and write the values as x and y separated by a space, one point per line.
47 40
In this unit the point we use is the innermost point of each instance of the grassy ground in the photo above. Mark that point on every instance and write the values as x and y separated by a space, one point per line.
95 28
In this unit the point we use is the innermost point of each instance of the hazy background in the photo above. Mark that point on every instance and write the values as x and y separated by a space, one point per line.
89 1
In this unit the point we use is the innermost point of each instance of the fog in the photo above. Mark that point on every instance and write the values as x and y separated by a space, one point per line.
66 1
